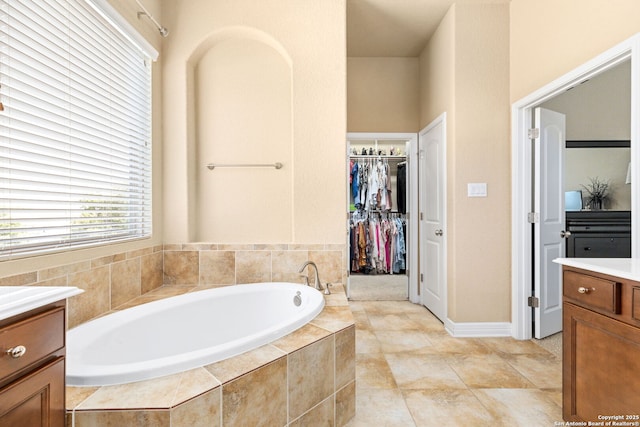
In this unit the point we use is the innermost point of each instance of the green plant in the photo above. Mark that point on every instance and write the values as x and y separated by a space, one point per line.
598 192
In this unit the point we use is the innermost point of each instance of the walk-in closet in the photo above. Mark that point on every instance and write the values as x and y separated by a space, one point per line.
379 204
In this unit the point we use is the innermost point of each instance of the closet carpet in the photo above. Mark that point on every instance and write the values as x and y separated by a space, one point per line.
552 343
378 287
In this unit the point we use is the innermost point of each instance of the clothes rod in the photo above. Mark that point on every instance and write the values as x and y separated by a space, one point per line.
276 165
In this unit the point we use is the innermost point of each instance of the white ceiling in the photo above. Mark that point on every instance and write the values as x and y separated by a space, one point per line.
394 27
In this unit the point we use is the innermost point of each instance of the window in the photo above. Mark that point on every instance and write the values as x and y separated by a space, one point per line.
75 130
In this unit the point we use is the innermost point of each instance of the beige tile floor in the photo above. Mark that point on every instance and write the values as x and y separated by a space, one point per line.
411 372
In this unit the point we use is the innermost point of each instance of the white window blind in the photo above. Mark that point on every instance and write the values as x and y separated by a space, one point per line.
75 130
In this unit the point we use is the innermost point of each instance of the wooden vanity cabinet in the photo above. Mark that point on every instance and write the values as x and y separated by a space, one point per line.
601 346
32 383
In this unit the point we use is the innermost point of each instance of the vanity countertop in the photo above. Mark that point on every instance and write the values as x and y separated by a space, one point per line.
626 268
20 299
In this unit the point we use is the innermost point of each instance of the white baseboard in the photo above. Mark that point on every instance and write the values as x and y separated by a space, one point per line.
478 329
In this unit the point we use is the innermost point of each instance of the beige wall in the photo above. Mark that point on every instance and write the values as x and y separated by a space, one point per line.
383 94
437 77
312 35
129 11
552 37
243 115
465 72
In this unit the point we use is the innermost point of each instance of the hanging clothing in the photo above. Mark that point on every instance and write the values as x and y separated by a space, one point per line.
400 250
355 186
401 184
363 186
370 183
378 243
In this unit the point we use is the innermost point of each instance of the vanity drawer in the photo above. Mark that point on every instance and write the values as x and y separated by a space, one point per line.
40 335
635 303
593 291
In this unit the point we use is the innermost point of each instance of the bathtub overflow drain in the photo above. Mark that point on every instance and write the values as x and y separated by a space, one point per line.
297 300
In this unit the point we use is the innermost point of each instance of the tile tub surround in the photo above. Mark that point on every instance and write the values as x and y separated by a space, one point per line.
304 378
111 282
208 264
107 281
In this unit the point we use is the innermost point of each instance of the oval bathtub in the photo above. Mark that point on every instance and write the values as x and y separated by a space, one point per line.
186 331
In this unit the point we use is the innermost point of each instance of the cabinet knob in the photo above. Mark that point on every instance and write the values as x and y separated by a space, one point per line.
17 351
583 290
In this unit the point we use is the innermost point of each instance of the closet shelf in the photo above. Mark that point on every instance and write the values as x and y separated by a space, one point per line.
359 156
378 211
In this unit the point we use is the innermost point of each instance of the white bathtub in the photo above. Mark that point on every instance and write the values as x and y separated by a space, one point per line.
184 332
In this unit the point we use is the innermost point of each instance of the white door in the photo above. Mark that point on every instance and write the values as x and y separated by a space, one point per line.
549 242
432 201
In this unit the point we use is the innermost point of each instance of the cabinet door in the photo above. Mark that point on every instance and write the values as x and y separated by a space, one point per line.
601 369
35 400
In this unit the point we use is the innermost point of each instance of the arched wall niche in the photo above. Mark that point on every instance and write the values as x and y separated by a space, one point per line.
240 112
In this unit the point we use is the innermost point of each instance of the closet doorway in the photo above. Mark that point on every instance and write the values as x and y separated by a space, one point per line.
381 234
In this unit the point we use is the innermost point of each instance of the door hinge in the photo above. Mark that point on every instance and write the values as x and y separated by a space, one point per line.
533 133
533 217
421 216
533 302
421 277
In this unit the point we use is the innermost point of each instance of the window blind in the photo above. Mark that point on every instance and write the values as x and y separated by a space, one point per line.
75 130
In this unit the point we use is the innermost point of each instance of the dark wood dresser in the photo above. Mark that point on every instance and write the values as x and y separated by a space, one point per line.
599 234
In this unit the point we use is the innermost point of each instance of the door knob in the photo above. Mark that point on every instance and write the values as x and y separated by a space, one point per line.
439 233
565 234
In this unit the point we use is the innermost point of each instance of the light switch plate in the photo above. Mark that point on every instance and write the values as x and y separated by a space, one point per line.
477 189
